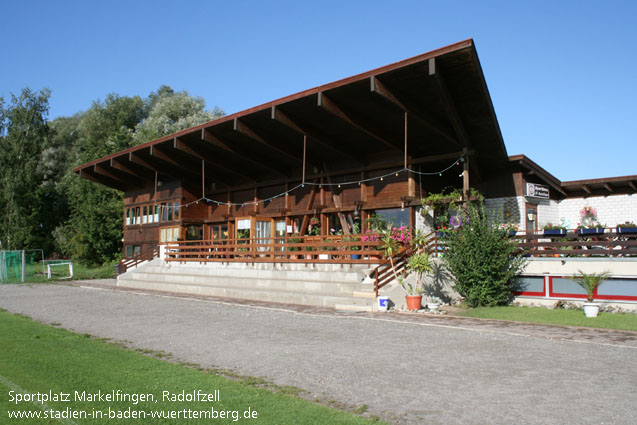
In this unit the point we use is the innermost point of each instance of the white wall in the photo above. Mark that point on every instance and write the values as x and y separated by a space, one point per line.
611 210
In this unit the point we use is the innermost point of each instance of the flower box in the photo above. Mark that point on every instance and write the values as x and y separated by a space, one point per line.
591 231
627 230
554 232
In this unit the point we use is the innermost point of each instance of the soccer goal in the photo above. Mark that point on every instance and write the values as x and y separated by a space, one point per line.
21 266
62 269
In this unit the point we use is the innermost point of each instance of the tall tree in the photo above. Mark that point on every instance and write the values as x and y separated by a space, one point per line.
24 136
170 112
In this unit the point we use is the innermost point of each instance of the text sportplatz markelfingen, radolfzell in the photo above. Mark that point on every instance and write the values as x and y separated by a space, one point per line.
114 396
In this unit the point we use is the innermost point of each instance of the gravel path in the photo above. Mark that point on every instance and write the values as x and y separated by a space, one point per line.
409 369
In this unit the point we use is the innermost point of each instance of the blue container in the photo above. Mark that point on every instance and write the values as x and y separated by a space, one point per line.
593 231
554 232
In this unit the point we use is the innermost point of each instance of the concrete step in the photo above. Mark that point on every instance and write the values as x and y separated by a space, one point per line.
301 273
258 294
327 288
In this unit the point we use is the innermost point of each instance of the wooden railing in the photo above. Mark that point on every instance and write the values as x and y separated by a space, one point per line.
127 263
296 249
573 244
384 273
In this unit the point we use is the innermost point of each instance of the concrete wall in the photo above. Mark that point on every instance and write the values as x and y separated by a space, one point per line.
611 210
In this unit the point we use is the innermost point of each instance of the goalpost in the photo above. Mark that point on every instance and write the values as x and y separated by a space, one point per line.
67 264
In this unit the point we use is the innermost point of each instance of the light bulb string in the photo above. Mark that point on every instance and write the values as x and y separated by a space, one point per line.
302 185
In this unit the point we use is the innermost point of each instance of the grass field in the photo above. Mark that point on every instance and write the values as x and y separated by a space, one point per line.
37 358
35 273
554 316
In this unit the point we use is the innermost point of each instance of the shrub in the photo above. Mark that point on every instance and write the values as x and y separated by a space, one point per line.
482 259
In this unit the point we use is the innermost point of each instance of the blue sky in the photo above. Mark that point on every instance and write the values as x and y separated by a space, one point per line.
562 74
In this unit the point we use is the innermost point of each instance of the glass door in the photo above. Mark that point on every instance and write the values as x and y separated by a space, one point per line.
263 234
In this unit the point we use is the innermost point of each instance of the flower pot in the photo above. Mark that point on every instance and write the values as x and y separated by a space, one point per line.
433 306
355 256
512 233
591 309
414 302
324 256
627 230
554 232
593 231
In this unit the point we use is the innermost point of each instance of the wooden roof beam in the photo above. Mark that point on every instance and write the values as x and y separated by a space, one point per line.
242 128
103 180
183 147
632 185
279 116
99 169
133 171
377 87
327 104
608 188
587 189
207 136
452 111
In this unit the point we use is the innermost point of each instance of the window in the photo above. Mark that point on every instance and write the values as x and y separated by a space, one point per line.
394 217
169 234
128 213
138 216
164 212
176 211
144 214
156 214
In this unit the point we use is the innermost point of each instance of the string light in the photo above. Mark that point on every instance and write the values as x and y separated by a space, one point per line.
320 185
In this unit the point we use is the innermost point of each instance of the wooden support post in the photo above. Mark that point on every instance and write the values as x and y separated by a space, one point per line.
465 179
203 179
405 139
304 150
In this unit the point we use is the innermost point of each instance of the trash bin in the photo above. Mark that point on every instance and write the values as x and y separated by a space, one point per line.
383 303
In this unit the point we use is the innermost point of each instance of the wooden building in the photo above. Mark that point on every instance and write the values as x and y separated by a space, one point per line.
326 157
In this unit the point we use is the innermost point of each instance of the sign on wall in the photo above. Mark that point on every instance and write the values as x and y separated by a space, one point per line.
537 190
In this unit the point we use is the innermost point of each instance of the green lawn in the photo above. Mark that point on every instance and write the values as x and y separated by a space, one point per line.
37 358
554 316
36 273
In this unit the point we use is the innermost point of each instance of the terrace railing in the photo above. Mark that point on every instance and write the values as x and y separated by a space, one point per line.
291 249
578 243
128 263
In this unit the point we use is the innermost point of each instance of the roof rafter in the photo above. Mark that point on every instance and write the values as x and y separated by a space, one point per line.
608 187
284 119
328 104
133 171
452 111
207 136
632 185
90 175
180 145
379 88
587 189
243 128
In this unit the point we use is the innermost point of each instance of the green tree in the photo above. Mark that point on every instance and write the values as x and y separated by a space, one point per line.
25 198
170 112
482 259
93 232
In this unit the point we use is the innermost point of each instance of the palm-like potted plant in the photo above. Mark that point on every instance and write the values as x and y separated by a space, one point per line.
590 282
420 263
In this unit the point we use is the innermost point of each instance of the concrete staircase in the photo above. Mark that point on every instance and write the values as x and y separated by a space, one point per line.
324 285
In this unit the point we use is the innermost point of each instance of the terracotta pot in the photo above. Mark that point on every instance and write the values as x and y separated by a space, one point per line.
414 302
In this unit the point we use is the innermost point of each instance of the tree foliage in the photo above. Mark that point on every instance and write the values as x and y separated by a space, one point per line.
482 259
43 203
25 196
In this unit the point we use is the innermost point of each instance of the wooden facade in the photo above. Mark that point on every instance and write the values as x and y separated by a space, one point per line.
422 124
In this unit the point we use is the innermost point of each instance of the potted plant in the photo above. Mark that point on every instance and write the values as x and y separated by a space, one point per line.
590 282
589 225
420 263
509 229
554 230
595 229
627 228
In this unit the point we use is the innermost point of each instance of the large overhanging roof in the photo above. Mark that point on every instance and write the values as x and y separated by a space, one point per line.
579 188
348 125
